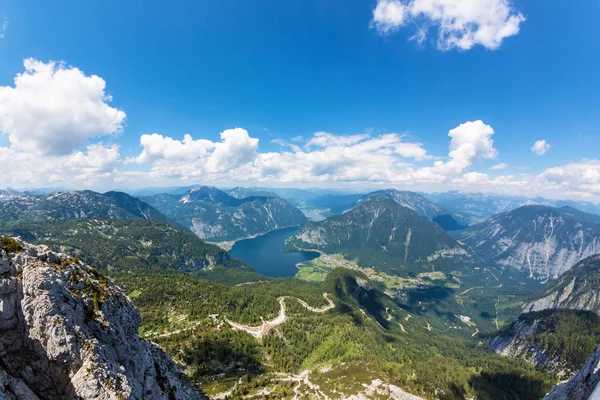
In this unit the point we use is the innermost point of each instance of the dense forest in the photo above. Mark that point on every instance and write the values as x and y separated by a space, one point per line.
187 317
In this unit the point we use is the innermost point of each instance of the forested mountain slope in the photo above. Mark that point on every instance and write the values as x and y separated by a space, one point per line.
556 340
583 386
365 341
133 245
380 232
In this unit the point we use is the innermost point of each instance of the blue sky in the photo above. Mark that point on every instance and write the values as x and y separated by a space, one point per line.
283 69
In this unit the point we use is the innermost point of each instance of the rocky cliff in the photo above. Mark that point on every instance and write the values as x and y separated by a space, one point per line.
66 332
554 340
583 386
544 241
577 289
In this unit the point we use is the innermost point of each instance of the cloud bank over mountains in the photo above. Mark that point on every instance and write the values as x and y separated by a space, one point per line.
62 130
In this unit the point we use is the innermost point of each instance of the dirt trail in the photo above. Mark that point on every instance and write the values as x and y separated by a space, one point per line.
260 331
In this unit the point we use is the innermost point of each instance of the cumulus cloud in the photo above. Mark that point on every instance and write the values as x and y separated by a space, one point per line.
470 178
460 24
581 176
324 157
500 166
54 109
540 147
471 143
49 117
97 164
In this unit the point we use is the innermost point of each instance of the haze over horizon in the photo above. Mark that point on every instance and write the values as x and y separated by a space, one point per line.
415 95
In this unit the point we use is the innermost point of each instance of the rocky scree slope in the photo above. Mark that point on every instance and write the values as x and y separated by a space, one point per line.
215 216
555 340
577 289
381 233
543 241
66 332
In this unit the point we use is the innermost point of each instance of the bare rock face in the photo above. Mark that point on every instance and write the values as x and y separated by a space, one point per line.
66 332
582 386
578 289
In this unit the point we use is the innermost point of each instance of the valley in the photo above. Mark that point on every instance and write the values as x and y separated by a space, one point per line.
376 302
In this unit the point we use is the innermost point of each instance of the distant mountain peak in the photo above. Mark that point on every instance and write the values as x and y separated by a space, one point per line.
544 240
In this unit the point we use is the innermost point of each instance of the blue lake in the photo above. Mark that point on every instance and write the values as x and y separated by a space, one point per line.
265 255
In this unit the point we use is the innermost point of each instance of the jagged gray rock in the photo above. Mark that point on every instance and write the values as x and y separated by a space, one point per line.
582 385
66 332
543 241
578 289
522 339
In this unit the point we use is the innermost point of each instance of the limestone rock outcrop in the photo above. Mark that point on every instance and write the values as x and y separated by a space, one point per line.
67 332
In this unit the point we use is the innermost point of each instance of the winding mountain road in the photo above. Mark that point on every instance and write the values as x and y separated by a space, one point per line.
260 331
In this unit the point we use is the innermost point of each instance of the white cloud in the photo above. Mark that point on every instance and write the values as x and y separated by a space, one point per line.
49 116
159 147
236 148
582 176
53 109
460 24
389 15
470 178
3 27
324 157
540 147
500 166
97 164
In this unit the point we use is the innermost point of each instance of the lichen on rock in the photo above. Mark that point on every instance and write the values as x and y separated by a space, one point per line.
67 332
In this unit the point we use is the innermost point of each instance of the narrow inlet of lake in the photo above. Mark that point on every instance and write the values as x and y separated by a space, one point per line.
265 255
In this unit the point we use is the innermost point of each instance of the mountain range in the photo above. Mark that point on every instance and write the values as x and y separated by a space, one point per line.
73 205
380 231
542 240
476 207
215 216
189 291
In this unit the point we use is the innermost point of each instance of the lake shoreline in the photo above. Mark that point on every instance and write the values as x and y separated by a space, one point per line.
264 253
227 245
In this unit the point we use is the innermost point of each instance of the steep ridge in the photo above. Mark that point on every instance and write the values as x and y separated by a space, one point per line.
583 386
577 289
541 240
381 233
423 207
241 192
216 216
555 340
129 245
76 205
476 207
67 332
